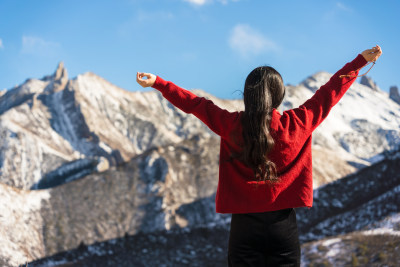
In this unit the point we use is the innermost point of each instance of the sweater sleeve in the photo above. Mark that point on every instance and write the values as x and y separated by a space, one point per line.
309 115
216 118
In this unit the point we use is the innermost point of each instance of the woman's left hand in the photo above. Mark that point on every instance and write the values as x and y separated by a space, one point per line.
372 54
145 79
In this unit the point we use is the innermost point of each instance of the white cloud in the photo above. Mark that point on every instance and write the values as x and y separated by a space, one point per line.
1 44
343 6
337 9
227 1
37 46
203 2
197 2
249 42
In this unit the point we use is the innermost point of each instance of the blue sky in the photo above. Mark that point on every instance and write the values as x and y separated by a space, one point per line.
207 44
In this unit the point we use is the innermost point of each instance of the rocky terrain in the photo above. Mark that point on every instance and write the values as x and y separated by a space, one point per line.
207 247
344 228
84 162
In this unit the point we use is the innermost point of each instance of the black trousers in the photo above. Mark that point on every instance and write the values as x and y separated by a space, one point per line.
264 239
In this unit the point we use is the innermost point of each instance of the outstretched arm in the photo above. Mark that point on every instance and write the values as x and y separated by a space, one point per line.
309 115
216 118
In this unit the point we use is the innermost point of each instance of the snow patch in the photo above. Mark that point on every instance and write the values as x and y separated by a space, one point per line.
381 231
105 147
330 242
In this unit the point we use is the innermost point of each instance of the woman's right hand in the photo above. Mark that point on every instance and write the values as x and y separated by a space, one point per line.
372 54
145 79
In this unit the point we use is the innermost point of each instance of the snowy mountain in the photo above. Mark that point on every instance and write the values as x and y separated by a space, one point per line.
363 124
112 163
55 128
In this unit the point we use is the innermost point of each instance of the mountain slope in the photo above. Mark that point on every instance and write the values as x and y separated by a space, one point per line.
48 123
208 247
364 123
147 167
340 222
141 195
45 124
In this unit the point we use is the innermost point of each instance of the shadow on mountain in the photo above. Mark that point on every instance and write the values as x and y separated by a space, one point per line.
67 173
12 99
357 165
179 247
73 170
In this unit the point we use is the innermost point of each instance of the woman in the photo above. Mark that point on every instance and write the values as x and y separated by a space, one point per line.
265 166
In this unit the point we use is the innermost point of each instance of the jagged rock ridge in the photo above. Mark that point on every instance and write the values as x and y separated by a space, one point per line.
49 123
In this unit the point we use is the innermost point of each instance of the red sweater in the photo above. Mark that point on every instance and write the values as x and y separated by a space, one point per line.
291 130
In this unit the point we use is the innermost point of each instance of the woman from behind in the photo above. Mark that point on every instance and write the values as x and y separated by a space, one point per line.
265 167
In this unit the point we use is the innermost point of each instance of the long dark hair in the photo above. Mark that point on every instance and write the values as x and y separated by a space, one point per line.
263 90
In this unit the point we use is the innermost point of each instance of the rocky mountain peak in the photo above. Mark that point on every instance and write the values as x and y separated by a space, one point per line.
367 81
394 94
58 80
61 72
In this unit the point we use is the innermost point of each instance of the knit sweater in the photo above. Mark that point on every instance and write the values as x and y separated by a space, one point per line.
237 190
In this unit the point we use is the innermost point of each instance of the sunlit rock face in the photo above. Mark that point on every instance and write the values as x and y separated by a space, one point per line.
111 163
58 130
